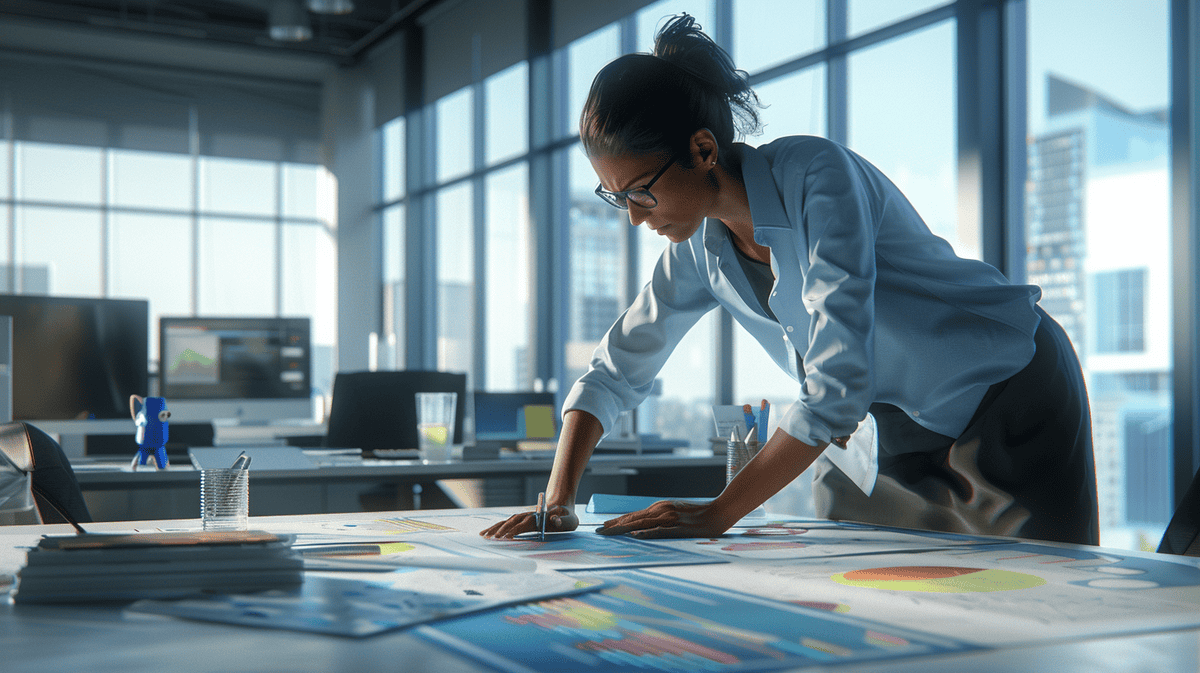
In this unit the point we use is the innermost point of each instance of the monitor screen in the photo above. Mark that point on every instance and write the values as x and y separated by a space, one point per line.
77 358
234 358
496 413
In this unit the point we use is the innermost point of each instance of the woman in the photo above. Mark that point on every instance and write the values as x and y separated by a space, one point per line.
930 371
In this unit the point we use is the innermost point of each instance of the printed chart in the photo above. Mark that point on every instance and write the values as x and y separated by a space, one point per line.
643 623
988 594
349 606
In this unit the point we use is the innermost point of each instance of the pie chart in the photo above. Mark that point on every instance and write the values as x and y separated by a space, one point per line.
938 579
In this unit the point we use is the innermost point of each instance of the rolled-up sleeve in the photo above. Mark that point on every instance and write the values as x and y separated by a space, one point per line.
623 367
838 293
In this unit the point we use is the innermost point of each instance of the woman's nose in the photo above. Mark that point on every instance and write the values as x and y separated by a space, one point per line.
636 215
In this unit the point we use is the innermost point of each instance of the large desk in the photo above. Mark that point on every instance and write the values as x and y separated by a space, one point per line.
340 484
93 638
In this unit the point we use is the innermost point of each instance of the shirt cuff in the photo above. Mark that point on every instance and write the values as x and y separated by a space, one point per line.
595 400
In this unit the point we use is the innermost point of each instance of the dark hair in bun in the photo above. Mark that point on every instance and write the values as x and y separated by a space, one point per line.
653 103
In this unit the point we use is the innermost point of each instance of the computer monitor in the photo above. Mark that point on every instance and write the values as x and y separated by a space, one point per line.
254 370
496 414
77 358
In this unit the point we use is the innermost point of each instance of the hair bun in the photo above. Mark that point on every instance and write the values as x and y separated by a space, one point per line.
683 44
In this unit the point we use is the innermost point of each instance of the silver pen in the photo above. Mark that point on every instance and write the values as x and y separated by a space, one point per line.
540 516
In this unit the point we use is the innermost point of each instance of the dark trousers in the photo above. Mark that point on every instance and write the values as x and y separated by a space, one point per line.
1023 467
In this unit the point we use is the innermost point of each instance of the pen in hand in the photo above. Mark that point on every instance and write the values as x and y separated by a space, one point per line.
540 516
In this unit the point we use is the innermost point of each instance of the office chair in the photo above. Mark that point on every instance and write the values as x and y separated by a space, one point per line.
1183 533
378 410
55 489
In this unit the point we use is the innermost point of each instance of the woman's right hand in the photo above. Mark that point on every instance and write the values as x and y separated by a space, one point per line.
560 519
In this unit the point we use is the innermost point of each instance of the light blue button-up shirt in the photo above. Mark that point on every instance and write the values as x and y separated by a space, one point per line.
871 305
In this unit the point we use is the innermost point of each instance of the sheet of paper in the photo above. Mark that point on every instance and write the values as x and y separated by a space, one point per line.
988 594
778 540
640 622
579 550
348 605
601 507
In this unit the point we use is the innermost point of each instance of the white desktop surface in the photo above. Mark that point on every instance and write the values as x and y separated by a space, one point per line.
79 638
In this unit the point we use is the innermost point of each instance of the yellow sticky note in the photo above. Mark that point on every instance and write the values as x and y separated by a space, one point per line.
539 420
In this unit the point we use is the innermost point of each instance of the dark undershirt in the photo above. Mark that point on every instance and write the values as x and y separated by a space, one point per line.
761 278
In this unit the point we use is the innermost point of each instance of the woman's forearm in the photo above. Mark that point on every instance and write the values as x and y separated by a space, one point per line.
781 460
581 432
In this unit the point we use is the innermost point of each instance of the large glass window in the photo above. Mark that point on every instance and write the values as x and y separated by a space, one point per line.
58 173
240 186
308 276
1099 170
152 259
793 105
585 57
507 96
867 15
767 33
455 279
237 267
56 250
902 119
508 280
150 180
455 135
596 239
393 288
392 166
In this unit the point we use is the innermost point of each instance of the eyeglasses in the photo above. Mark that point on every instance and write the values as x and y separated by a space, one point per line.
640 196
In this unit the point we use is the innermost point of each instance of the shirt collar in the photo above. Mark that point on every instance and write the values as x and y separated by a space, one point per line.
766 207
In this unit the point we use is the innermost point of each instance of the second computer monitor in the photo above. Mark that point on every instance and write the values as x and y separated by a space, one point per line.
254 369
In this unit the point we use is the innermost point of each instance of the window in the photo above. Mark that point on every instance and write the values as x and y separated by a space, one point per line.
152 259
596 239
1098 92
455 136
151 180
237 267
455 279
867 15
767 33
58 246
1121 311
394 289
507 96
508 289
585 57
902 120
392 164
58 173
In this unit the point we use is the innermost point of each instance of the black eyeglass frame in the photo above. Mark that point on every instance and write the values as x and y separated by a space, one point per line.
621 199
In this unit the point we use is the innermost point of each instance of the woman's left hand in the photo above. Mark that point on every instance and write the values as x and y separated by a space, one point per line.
668 519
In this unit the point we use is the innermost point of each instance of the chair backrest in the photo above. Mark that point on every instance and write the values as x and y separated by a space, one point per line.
1183 533
378 410
56 491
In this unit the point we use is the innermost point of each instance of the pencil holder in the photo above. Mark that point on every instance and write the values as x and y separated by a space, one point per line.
225 498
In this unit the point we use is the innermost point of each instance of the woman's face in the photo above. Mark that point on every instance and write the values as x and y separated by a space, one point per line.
684 194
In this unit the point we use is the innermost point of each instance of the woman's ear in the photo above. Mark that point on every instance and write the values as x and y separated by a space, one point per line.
704 149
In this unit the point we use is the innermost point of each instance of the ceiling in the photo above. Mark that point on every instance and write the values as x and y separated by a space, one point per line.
241 22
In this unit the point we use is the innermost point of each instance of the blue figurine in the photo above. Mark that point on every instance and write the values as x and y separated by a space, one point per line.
150 417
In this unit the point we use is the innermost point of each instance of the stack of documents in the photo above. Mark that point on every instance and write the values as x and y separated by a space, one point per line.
127 567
